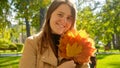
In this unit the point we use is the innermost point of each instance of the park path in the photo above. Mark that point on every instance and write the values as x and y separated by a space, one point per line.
10 55
2 55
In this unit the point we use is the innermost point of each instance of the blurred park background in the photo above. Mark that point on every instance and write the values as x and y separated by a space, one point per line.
22 18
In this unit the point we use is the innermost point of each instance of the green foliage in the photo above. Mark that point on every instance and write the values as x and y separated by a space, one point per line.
19 10
4 43
109 20
19 47
86 20
6 34
30 9
7 45
4 12
97 46
103 25
12 46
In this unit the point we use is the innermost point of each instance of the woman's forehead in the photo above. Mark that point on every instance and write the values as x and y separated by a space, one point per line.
64 8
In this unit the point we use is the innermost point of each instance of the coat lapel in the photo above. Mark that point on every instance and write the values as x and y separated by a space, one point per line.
49 57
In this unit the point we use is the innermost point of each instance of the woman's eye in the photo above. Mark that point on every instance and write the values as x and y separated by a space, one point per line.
69 18
60 15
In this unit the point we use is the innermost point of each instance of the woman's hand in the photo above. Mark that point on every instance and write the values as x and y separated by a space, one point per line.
67 64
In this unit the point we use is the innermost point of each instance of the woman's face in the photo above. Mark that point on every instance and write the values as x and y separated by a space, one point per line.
61 19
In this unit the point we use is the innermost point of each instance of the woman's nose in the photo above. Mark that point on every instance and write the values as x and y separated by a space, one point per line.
64 20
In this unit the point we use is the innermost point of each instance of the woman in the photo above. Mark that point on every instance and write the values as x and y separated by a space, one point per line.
41 50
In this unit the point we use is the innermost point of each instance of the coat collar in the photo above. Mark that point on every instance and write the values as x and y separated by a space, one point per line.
49 57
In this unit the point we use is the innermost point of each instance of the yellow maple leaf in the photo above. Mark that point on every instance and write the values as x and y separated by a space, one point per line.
73 50
83 34
71 34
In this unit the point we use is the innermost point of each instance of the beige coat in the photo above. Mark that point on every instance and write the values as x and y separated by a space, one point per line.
31 58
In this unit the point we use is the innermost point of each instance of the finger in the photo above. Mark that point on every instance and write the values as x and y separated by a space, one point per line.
72 63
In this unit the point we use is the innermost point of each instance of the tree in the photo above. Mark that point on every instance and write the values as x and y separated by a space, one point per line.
25 12
88 20
104 25
4 13
110 16
29 11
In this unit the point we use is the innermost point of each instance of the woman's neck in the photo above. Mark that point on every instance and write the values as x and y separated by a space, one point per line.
55 39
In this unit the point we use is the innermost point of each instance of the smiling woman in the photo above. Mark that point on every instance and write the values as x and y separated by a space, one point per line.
41 50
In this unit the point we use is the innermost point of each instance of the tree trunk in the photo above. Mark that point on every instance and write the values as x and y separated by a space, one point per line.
116 41
27 27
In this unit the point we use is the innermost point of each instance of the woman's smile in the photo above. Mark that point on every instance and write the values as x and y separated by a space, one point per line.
60 25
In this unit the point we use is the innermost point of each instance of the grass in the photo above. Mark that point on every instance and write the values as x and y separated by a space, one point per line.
108 61
9 62
8 52
103 61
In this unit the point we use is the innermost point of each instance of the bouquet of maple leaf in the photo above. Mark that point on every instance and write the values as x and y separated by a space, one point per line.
76 45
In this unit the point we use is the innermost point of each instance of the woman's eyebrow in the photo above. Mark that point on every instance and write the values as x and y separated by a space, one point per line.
64 13
61 12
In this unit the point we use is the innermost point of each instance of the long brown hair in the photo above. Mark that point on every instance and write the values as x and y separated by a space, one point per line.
46 30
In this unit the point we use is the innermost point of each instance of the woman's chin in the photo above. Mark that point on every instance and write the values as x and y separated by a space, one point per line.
60 33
